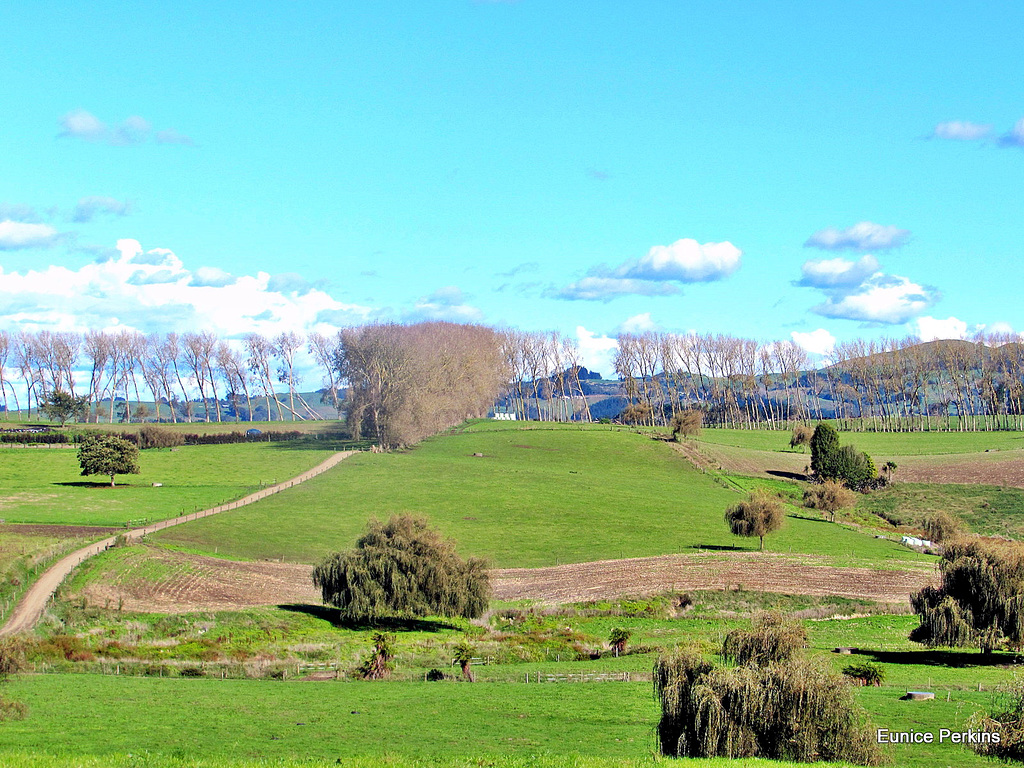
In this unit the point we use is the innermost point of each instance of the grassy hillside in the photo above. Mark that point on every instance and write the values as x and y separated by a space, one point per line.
537 496
45 485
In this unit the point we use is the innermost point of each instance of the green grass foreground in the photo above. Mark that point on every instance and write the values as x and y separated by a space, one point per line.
537 497
46 486
23 760
444 724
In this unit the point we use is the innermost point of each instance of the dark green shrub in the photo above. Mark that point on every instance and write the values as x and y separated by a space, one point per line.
865 673
771 638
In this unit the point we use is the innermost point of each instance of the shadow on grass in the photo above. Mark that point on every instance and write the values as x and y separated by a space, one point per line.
957 659
93 484
786 475
722 548
391 624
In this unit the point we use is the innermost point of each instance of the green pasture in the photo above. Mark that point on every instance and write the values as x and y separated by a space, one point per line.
42 485
425 721
537 497
884 444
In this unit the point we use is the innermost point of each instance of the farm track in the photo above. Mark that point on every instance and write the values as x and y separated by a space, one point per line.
202 583
32 604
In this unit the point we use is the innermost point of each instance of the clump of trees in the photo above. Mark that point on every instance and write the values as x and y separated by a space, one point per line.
406 382
829 496
106 454
63 406
11 660
830 461
760 514
865 673
775 704
403 568
159 437
942 526
979 600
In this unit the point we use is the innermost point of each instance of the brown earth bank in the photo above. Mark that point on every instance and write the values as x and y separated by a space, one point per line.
200 583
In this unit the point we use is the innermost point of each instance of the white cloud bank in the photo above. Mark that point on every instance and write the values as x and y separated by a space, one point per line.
658 272
819 342
448 303
153 291
961 130
597 352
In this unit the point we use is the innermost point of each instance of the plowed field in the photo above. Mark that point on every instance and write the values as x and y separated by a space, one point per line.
165 581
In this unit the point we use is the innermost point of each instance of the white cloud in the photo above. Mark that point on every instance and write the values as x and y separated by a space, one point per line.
596 352
637 324
607 288
684 260
16 235
153 291
880 299
83 125
961 130
447 303
88 207
837 273
931 328
820 342
862 236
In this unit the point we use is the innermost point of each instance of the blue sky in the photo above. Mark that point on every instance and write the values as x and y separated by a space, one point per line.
826 170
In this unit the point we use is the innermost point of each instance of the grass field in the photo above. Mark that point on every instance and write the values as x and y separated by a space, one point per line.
987 510
536 497
884 444
45 485
273 719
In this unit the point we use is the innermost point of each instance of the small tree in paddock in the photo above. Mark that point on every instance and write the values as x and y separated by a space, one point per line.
759 515
63 406
829 496
402 568
771 638
464 658
687 423
801 436
618 639
979 600
108 455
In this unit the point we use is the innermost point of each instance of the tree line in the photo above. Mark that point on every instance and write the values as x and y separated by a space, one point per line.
878 385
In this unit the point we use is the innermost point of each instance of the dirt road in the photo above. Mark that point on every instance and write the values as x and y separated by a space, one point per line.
30 608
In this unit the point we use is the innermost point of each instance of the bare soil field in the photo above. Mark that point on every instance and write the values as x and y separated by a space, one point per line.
59 531
199 583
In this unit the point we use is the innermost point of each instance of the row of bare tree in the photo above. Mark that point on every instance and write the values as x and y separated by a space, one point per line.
192 375
407 382
884 385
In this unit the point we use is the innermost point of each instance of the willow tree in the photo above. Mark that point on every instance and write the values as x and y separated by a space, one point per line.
760 514
797 710
979 600
403 568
